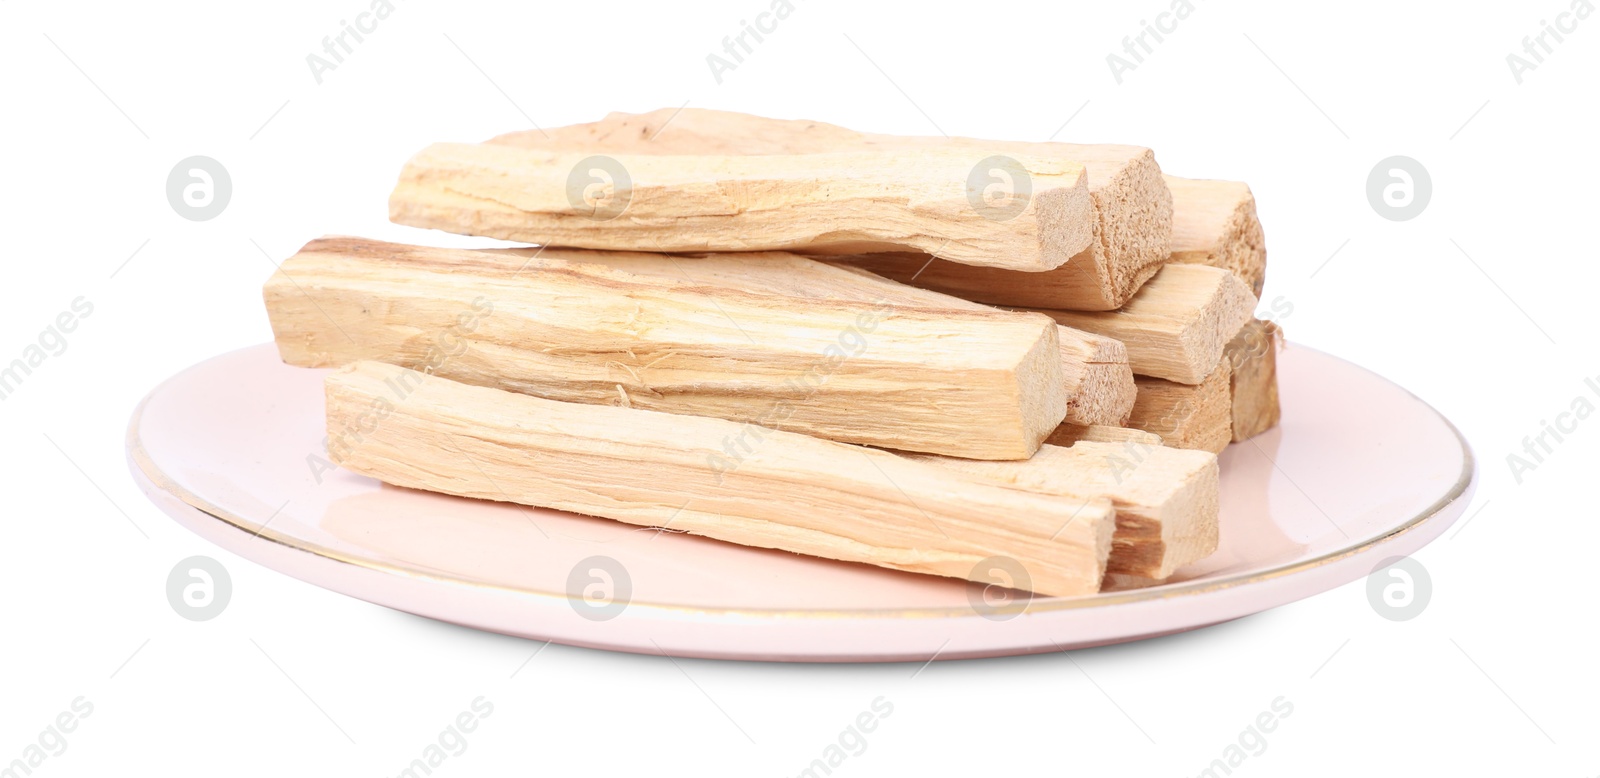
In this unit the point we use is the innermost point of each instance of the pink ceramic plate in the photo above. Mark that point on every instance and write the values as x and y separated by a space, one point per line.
1358 471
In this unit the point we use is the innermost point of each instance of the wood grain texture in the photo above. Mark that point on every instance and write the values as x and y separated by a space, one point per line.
1097 378
1178 325
1132 206
1214 223
789 491
832 203
1166 499
1068 433
964 383
1195 416
1074 286
1252 357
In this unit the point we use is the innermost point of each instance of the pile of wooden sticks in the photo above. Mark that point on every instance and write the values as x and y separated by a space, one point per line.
917 353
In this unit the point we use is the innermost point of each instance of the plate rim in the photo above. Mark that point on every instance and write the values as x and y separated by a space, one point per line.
147 468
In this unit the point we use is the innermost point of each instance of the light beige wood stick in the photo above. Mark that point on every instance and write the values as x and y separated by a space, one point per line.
1075 286
1098 381
1214 223
1068 434
836 203
1132 206
1177 326
1166 499
1252 358
981 384
1197 416
789 491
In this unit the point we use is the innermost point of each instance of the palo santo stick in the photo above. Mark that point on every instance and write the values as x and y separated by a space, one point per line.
1177 326
1133 209
1077 286
1214 223
1069 434
1197 416
789 491
842 203
981 384
1166 499
1252 358
1097 379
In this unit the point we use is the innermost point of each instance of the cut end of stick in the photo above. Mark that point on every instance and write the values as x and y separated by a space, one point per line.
1134 227
1105 388
1166 499
1214 223
1168 504
1252 357
1177 325
1065 225
1228 307
1042 391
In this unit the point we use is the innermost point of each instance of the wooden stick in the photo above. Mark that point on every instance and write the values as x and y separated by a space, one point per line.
1166 499
1132 206
1078 286
1068 434
981 384
1177 326
1214 223
1252 358
838 203
788 492
1198 416
1097 379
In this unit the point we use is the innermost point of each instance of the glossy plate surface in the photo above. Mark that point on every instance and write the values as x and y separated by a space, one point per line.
1359 471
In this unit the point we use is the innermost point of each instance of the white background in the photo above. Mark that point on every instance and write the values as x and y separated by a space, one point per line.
1496 678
